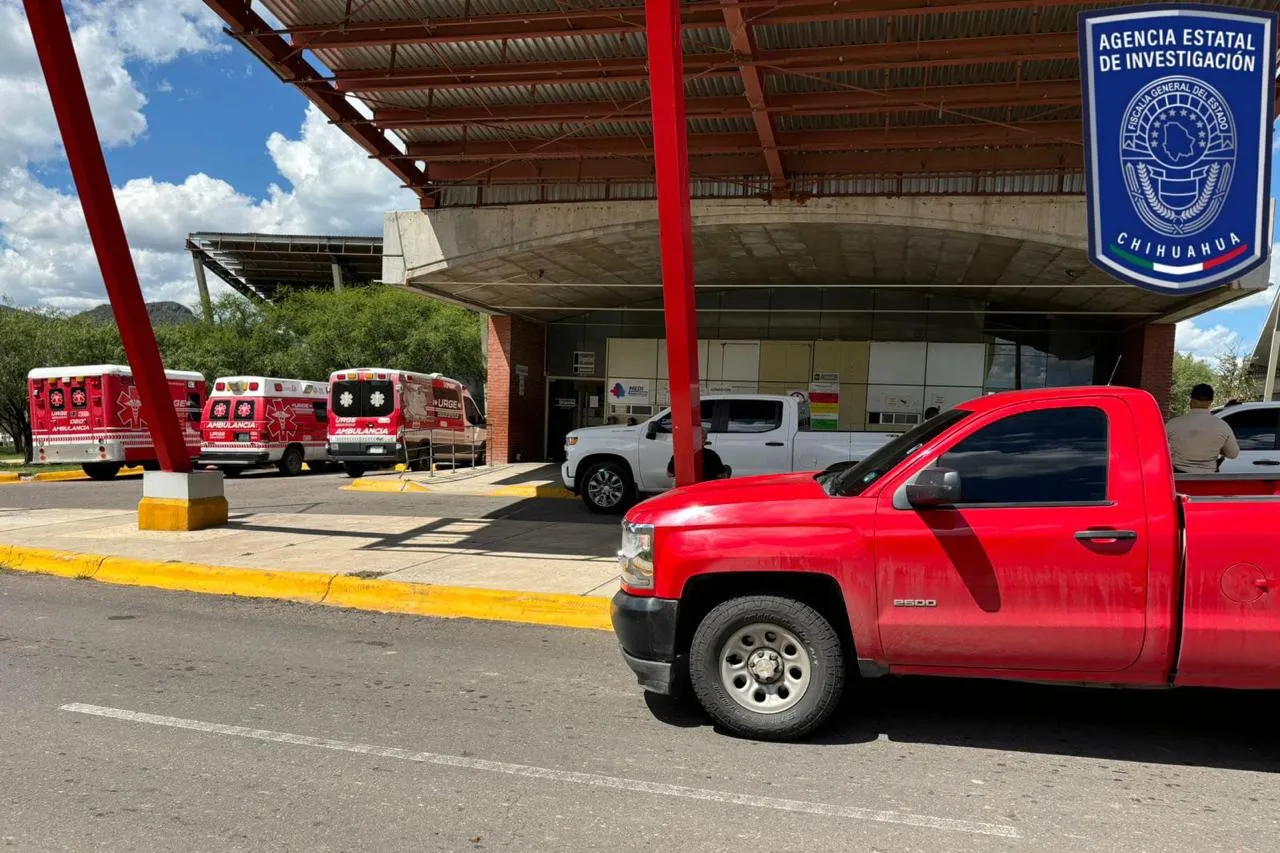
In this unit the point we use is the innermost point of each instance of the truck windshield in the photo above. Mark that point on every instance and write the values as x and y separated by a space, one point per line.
854 480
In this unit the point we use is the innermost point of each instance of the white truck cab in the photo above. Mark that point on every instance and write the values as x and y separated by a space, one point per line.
753 434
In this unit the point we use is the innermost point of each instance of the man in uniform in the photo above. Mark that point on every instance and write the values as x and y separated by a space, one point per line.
1198 439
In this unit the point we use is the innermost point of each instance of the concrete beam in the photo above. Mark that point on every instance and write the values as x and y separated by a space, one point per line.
424 243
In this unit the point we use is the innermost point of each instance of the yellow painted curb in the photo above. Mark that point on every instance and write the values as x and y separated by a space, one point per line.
544 491
333 590
65 476
308 587
569 611
9 477
383 484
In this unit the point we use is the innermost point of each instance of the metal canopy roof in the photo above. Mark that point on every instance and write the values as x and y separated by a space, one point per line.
500 101
267 266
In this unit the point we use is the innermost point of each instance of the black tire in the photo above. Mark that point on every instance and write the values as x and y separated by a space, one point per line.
354 469
480 456
231 471
290 464
604 479
826 662
101 470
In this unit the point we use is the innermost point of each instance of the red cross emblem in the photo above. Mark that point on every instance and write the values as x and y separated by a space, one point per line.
244 410
79 398
56 399
220 410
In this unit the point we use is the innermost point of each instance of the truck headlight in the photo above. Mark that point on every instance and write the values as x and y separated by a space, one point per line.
635 557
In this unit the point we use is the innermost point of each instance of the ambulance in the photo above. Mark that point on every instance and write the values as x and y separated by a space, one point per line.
92 415
379 417
261 421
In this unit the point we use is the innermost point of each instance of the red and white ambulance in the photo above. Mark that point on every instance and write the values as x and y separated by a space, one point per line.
379 417
258 421
92 415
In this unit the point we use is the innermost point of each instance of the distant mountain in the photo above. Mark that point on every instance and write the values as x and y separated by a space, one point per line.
161 313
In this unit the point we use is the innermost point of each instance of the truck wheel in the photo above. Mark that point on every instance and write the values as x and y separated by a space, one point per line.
480 456
606 488
101 470
290 463
767 667
354 469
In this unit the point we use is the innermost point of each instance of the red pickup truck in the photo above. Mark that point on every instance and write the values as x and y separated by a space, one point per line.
1037 536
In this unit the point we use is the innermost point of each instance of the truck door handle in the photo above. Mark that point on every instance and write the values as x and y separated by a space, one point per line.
1094 534
1266 462
773 444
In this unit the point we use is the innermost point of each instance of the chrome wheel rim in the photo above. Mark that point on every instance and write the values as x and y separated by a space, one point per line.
605 488
765 668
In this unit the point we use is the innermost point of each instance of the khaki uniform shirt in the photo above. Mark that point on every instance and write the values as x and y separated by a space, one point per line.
1197 439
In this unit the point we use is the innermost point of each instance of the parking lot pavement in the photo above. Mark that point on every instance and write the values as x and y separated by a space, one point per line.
141 720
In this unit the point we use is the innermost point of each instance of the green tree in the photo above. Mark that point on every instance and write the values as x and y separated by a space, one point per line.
1188 372
1231 380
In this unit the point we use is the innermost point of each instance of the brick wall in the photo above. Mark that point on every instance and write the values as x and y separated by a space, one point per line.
1146 361
516 420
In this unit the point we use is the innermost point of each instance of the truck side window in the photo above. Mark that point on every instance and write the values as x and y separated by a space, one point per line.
754 415
193 407
663 426
1049 456
473 412
1255 429
321 411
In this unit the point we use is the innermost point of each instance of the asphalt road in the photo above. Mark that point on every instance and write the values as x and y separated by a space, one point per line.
267 491
140 720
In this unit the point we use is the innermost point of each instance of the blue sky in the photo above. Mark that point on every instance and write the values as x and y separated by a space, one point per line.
200 136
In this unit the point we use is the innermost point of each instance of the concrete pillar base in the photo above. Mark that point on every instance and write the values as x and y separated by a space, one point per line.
181 501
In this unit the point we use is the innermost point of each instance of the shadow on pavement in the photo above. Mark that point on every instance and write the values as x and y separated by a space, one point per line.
1230 730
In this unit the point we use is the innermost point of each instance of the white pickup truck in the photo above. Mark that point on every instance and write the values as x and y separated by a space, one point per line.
611 466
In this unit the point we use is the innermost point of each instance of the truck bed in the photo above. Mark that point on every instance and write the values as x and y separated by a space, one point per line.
1228 485
1231 592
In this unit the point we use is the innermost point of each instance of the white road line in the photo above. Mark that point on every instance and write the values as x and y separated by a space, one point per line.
591 779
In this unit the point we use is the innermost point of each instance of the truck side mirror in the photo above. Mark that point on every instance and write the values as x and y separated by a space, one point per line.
933 488
651 430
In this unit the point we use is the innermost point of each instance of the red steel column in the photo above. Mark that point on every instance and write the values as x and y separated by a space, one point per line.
89 169
675 231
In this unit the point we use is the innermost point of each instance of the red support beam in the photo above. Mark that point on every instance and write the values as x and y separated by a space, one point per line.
707 144
743 42
93 184
736 166
675 233
586 21
286 63
1049 93
933 53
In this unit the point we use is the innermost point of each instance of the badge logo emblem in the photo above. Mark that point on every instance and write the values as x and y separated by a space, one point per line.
1179 152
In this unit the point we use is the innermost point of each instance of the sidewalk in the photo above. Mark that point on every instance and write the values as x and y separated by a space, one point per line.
536 557
517 480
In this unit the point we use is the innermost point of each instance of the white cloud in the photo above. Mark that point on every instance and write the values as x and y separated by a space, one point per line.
328 184
1204 343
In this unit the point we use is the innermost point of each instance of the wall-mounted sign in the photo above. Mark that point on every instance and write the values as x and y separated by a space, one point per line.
566 403
584 364
1178 105
629 392
824 403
